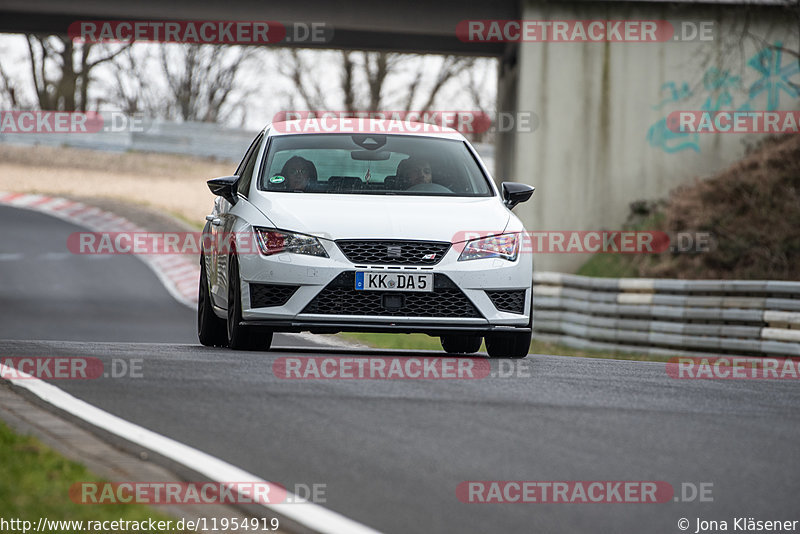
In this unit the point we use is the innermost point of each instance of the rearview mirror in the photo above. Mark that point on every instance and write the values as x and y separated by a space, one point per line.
224 187
370 155
514 193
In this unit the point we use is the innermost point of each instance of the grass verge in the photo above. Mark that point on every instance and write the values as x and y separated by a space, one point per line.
608 266
425 342
35 482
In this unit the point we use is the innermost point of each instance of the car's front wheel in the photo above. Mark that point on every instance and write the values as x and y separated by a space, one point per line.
210 329
456 344
241 337
508 345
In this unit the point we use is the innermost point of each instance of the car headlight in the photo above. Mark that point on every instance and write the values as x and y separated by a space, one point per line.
274 241
504 246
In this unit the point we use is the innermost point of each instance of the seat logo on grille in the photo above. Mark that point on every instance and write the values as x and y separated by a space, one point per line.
394 251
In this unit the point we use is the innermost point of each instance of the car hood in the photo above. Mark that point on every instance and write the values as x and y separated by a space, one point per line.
332 216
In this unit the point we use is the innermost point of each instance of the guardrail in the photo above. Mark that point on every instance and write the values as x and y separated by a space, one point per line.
190 138
668 317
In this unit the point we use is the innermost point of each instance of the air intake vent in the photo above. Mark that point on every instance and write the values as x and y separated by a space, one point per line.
341 298
512 301
266 295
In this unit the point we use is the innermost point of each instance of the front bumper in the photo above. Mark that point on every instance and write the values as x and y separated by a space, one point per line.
332 327
309 277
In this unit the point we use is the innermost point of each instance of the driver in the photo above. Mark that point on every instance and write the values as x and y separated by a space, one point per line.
298 173
414 171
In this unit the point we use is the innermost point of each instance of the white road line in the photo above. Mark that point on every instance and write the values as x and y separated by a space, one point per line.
308 514
55 255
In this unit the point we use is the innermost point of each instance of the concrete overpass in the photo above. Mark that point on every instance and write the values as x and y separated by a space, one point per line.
408 26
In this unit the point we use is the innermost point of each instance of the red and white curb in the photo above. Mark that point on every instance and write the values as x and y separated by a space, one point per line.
181 276
179 273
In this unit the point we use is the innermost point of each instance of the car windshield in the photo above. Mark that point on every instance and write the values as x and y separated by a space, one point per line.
372 164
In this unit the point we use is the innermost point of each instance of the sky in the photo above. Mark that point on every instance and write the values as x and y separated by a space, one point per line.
271 92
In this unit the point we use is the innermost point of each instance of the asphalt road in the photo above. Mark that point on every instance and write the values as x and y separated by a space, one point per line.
47 292
392 452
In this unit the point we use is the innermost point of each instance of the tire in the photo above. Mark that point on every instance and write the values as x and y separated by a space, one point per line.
241 337
460 344
512 345
211 330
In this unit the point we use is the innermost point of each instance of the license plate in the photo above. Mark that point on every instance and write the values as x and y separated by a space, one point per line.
370 281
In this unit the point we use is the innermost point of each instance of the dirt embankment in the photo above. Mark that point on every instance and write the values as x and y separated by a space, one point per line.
162 182
752 209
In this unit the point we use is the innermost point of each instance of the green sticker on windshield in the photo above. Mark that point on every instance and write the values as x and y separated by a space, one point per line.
277 179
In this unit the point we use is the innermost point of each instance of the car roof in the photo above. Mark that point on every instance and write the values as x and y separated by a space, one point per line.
361 126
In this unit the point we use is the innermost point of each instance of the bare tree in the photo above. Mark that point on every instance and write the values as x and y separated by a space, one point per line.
450 67
201 81
62 70
482 99
11 95
347 81
743 28
376 68
790 15
296 67
365 79
131 86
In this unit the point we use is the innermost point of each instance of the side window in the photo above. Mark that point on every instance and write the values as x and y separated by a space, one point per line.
245 171
241 166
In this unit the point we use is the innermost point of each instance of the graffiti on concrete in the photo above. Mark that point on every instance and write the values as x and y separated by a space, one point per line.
720 90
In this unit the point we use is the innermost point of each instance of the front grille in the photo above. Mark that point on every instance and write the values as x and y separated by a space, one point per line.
393 252
511 301
265 295
341 298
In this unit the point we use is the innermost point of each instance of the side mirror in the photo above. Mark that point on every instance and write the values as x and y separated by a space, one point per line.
514 193
224 187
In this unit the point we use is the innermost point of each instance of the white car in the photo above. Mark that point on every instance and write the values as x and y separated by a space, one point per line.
364 231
